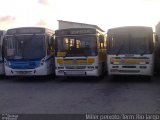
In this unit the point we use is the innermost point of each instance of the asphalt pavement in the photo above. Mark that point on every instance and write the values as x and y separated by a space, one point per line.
61 95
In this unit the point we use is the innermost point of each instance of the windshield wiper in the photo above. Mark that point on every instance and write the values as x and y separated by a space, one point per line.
120 48
67 54
143 52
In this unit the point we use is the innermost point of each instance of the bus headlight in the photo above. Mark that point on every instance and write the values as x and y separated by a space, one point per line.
147 61
7 63
42 62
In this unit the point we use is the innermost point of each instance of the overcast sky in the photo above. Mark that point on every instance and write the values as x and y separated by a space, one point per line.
104 13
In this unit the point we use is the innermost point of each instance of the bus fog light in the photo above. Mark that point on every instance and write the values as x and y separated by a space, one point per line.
147 61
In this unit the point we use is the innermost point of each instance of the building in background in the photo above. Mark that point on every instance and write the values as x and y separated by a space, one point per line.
68 24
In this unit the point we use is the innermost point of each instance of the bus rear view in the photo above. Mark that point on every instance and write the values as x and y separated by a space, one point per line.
130 51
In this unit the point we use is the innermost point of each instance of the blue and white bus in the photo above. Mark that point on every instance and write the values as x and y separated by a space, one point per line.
29 51
2 33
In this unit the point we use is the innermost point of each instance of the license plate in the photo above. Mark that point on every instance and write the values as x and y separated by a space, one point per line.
22 72
75 73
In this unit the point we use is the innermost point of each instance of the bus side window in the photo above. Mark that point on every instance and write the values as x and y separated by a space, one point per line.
78 43
66 43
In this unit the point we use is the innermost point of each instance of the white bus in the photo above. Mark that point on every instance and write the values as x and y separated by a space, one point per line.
80 52
29 51
2 33
130 51
157 49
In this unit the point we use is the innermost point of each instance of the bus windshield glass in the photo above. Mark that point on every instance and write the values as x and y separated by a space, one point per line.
25 47
77 46
0 48
130 43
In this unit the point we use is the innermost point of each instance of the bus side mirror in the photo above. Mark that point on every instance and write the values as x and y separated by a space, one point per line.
156 38
49 40
101 39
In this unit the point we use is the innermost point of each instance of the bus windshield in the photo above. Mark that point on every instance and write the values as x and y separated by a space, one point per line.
130 43
25 47
77 46
1 49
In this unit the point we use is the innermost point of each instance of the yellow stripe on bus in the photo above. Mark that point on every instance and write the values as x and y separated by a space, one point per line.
128 60
61 54
60 61
90 60
68 62
81 61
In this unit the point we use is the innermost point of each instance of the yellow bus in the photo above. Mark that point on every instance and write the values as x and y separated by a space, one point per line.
80 52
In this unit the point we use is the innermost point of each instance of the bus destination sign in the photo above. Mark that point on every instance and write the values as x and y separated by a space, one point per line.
75 31
29 30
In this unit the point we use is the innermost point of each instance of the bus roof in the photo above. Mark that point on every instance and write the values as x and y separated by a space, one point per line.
28 30
129 29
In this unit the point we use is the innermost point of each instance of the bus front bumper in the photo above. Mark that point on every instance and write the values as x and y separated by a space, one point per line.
25 72
145 72
94 72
